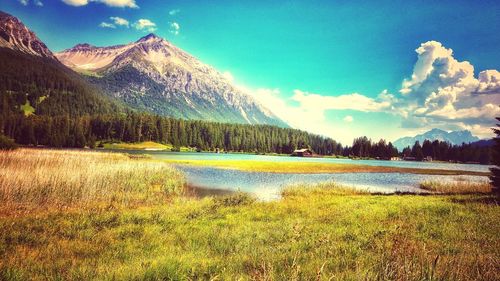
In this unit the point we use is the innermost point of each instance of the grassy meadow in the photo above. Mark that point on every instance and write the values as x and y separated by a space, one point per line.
74 215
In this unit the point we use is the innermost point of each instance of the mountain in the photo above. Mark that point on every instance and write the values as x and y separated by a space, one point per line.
33 81
454 137
153 75
484 143
16 36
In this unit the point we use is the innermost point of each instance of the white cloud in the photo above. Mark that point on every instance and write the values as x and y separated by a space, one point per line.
120 21
175 28
145 25
353 101
348 119
174 12
228 75
107 25
110 3
443 92
76 3
117 21
38 3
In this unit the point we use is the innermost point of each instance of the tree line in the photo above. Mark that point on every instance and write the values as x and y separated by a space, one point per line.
363 147
68 131
87 130
444 151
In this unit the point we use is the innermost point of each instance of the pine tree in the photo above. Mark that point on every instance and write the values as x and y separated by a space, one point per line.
495 171
416 151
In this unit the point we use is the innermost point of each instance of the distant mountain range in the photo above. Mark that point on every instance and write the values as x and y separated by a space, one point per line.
150 75
454 137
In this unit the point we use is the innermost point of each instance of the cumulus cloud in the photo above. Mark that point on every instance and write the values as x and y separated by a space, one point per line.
110 3
38 3
353 101
174 12
76 3
443 92
117 21
145 25
120 21
175 28
24 2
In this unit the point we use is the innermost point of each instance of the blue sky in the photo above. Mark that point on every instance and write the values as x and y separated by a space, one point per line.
279 49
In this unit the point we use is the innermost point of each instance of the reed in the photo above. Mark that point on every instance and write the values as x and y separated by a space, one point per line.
40 177
458 187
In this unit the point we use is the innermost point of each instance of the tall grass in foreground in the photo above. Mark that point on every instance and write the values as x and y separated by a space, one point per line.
39 177
457 187
323 235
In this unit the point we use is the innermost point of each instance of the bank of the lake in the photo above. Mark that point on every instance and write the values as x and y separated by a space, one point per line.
265 176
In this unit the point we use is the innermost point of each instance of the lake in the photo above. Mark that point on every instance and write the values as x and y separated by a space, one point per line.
267 186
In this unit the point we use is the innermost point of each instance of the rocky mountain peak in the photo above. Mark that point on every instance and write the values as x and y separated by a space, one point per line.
150 37
83 46
15 35
155 75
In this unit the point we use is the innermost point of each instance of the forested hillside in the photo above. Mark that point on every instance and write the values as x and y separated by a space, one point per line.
33 84
67 131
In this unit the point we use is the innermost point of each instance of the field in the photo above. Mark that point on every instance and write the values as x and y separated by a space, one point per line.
314 167
148 230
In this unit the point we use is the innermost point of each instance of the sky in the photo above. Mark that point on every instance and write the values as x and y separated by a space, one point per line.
343 69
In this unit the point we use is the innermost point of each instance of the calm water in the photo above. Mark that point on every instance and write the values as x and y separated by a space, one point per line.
267 186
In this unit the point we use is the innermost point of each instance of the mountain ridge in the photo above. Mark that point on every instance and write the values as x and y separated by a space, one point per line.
154 75
453 137
15 35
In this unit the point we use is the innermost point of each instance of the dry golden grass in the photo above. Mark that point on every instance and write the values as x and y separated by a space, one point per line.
458 187
46 178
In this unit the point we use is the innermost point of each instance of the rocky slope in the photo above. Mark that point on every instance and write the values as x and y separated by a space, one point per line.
154 75
16 36
454 137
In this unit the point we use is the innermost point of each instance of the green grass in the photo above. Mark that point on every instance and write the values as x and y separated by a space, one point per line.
315 167
324 233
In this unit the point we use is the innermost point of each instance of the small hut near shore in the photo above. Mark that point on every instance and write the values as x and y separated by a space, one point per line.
302 152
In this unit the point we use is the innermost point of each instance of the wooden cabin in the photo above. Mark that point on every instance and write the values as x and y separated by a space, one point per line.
302 152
